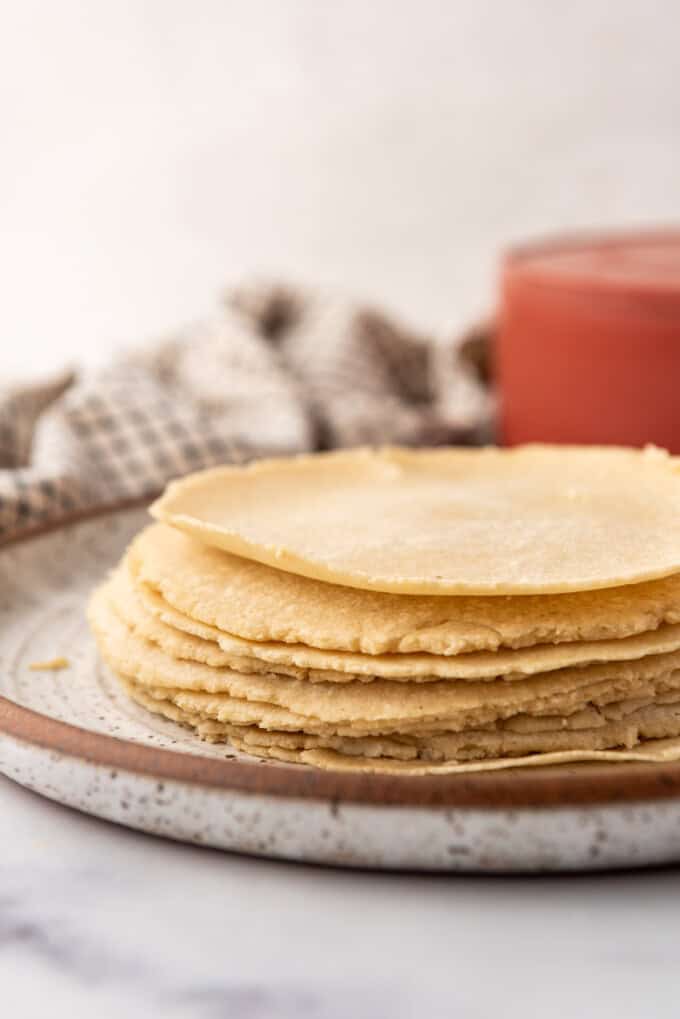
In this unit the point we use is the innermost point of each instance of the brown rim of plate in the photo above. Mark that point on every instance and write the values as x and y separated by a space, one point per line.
550 786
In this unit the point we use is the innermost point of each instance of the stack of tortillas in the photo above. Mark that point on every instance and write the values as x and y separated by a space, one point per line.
411 611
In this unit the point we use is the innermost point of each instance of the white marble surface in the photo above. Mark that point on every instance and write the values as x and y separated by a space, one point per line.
98 920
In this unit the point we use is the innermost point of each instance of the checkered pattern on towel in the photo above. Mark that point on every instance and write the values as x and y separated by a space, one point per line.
275 371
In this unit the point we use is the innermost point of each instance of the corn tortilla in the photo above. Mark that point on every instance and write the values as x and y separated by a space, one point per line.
257 603
151 617
531 520
650 731
379 707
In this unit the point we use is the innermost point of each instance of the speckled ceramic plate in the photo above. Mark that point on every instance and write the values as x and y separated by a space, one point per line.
73 736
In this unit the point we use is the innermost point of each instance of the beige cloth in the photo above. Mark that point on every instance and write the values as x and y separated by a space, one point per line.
276 370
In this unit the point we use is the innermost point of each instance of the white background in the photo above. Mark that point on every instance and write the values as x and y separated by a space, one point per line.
155 150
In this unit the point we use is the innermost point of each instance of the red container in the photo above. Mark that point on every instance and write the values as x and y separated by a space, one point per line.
588 349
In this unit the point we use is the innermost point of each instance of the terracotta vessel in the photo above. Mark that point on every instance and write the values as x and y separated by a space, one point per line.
589 341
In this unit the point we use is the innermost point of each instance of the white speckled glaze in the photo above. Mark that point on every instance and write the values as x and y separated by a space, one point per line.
44 583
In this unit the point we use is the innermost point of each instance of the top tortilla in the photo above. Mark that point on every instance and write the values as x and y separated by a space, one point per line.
532 520
255 602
